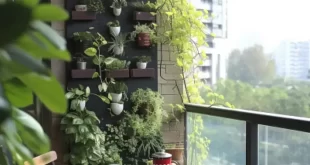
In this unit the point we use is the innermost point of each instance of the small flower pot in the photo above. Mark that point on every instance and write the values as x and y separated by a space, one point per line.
117 12
118 50
81 7
144 40
116 97
81 65
82 104
115 30
141 65
117 108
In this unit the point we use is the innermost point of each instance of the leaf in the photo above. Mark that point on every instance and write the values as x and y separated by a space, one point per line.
169 13
87 91
100 88
103 98
30 3
83 129
110 96
47 12
104 86
15 17
69 95
77 121
90 51
95 75
3 157
109 60
153 13
26 60
5 109
46 88
40 47
17 93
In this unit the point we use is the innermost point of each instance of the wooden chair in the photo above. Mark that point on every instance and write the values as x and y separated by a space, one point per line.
44 159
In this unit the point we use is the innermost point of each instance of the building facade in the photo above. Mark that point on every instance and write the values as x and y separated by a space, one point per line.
293 59
214 67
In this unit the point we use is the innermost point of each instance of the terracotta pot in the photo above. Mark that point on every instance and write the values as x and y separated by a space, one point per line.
177 153
144 39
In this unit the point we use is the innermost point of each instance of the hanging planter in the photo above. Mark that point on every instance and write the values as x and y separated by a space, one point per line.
81 5
114 28
118 43
144 35
117 6
116 97
142 61
117 108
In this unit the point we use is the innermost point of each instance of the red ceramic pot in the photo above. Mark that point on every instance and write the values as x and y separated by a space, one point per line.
144 39
162 158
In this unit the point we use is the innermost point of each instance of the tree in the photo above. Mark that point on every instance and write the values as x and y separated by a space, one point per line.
251 65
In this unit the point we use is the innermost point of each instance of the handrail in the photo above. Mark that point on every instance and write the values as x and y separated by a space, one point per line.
252 120
263 118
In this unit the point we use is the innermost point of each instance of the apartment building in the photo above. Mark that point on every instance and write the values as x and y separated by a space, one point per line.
213 68
292 59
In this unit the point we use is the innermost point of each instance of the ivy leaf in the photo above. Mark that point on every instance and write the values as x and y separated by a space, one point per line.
90 51
110 96
17 93
16 18
100 88
69 95
47 12
46 88
95 75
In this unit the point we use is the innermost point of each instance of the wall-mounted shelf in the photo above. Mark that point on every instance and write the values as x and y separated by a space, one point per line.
148 72
144 16
83 15
123 73
78 73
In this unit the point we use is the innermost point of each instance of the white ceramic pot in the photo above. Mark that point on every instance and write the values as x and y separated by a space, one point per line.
115 30
141 65
81 7
116 97
117 108
118 50
117 12
82 104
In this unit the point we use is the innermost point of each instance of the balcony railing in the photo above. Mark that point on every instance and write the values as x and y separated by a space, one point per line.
254 145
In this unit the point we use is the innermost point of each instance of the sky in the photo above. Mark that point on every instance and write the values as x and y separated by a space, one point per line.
267 22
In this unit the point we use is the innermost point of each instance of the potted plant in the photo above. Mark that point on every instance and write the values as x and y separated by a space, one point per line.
95 6
117 107
81 5
80 61
142 61
117 6
144 35
114 27
117 90
118 44
145 11
79 96
117 69
112 156
82 40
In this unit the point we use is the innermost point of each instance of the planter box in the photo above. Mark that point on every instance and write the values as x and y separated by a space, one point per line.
148 72
87 73
123 73
83 15
144 16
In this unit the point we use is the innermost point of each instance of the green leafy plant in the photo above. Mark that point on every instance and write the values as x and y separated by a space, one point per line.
22 48
117 4
144 58
117 87
147 7
144 28
113 24
112 155
118 65
147 145
95 6
78 93
118 44
82 36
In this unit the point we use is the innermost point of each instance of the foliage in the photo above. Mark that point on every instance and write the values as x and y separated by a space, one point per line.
148 7
148 112
118 42
144 28
117 87
22 48
78 93
95 6
82 36
149 144
251 65
118 65
144 58
113 24
117 4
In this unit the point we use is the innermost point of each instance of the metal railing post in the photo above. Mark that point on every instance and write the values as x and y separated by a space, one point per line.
251 143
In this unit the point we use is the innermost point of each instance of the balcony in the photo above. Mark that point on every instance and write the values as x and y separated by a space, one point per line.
242 137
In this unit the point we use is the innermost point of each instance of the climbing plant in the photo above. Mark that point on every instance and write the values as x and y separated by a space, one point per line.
180 28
